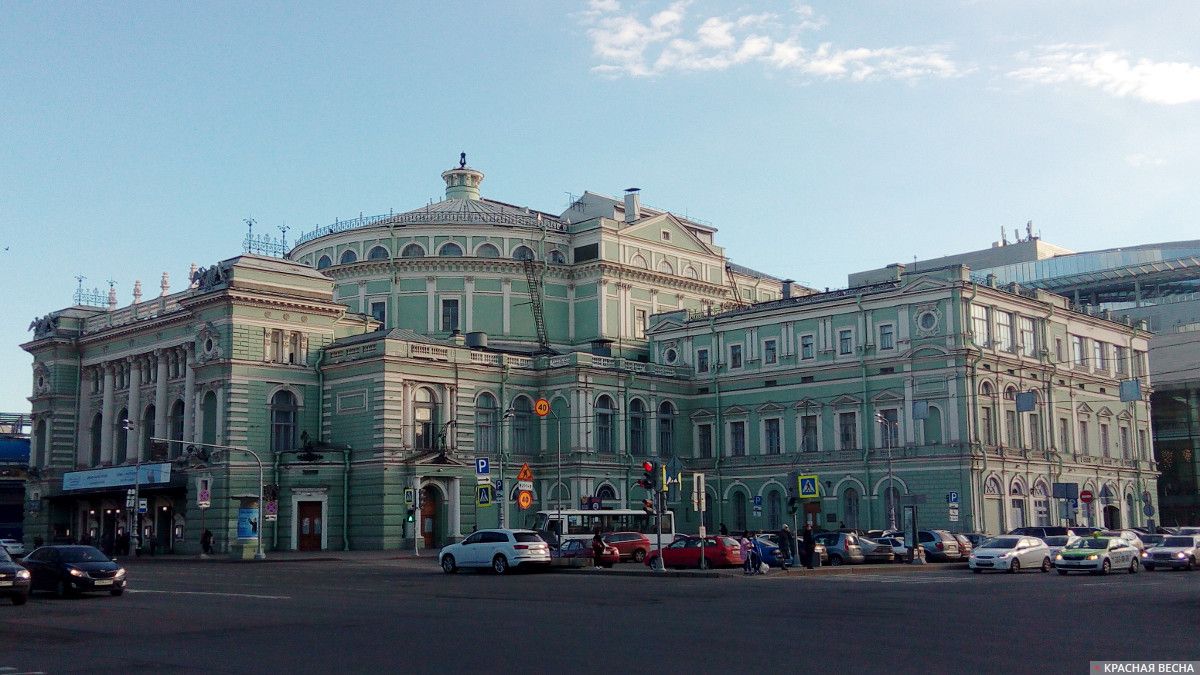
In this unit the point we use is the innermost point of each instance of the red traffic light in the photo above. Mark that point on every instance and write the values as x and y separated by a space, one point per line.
648 467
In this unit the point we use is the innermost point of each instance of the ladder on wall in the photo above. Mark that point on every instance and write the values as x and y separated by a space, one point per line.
535 302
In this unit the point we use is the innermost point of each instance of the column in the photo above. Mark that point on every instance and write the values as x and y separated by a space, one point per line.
652 429
222 404
189 395
571 312
905 417
469 304
623 310
406 414
83 426
106 423
601 300
431 303
456 508
506 287
160 399
135 408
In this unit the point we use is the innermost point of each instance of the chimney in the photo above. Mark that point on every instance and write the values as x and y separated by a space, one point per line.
633 205
897 271
787 288
458 338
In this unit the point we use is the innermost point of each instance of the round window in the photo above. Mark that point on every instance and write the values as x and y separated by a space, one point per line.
208 345
41 381
670 355
927 320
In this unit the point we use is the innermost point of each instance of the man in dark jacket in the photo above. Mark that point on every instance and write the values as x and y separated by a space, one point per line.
810 546
787 546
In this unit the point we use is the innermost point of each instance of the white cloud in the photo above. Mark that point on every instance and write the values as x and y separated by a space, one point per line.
1162 82
670 41
1140 159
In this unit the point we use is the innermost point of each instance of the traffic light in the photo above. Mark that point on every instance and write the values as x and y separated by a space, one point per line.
412 518
650 476
793 505
648 507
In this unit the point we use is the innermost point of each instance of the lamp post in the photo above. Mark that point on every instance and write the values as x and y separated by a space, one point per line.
259 554
509 414
888 440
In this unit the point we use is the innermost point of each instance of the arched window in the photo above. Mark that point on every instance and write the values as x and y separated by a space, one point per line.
739 511
985 389
522 424
38 456
323 262
604 425
1017 487
556 257
122 450
690 272
176 423
992 486
1010 394
97 427
450 250
666 429
424 419
413 250
378 253
523 253
148 430
774 510
638 261
666 267
487 251
637 427
933 426
606 493
348 256
485 423
283 421
850 508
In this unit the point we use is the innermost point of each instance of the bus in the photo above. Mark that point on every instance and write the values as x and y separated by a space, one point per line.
557 526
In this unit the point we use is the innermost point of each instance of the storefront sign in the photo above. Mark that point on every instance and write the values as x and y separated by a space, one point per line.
149 474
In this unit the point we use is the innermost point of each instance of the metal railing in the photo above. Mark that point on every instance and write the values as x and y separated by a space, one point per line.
437 218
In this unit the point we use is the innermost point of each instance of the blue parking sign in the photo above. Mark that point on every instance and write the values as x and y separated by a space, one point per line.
758 501
482 466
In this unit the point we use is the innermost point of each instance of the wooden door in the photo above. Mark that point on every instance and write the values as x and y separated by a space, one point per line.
308 526
429 516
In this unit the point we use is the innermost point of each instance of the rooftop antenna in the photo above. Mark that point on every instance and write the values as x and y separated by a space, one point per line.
1029 229
284 229
1003 237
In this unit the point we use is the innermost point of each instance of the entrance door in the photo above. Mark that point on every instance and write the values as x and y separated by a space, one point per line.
429 514
1112 518
308 526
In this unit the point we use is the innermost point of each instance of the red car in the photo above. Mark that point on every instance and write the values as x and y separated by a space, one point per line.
632 545
685 552
580 551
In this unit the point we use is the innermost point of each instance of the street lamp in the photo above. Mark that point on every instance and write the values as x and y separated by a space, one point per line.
509 414
888 440
191 450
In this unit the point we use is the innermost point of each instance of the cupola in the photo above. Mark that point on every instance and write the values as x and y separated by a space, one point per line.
463 182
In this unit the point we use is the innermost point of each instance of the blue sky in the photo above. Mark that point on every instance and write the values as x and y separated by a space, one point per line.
820 138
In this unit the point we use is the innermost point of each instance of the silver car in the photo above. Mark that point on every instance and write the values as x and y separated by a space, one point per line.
1176 551
1010 554
843 547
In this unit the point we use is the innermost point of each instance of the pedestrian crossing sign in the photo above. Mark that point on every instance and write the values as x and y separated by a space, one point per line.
483 496
810 486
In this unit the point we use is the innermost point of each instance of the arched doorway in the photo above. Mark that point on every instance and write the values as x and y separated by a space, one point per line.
431 515
850 508
1112 517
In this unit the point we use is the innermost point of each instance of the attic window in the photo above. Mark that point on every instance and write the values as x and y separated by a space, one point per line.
666 235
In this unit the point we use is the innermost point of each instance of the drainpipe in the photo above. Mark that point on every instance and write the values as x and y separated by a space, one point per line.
719 431
862 376
979 499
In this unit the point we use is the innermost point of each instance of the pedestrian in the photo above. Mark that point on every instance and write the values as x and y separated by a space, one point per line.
787 546
744 542
597 549
206 542
810 546
755 553
723 530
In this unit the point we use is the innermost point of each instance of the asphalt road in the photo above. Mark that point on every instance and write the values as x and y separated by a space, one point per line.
405 616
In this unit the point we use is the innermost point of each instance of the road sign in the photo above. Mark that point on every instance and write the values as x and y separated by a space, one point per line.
271 512
758 502
1148 509
699 498
758 512
525 473
142 505
1146 496
1066 490
952 497
408 496
1086 496
525 486
483 496
810 486
524 500
482 466
499 486
541 407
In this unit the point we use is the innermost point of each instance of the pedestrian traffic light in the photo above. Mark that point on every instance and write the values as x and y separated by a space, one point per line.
411 515
648 507
793 505
650 477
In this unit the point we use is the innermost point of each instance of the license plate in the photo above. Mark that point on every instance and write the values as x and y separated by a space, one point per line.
103 582
6 583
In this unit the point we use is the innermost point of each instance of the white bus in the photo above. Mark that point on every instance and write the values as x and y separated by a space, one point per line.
582 524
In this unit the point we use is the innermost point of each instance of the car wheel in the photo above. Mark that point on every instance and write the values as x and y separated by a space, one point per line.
1191 563
117 591
1133 566
1045 565
1106 567
1063 572
1014 566
20 598
639 555
500 564
448 564
835 560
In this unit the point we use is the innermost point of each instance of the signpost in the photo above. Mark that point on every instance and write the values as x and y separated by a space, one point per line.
699 505
758 506
525 485
483 495
1086 496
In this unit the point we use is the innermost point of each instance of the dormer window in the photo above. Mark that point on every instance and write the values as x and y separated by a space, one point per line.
666 235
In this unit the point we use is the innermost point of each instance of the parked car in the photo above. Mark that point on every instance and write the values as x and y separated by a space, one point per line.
70 570
502 550
1176 552
768 550
939 545
843 547
1129 535
976 538
965 546
13 547
875 551
1187 530
632 545
1151 540
685 552
1010 553
1056 543
14 579
579 553
1097 555
899 550
818 548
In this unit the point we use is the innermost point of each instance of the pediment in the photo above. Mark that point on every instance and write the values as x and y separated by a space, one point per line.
1124 416
845 401
651 229
807 404
1084 409
769 408
737 410
924 284
1104 412
887 397
435 458
701 415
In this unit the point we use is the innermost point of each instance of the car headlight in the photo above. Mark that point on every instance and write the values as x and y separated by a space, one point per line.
77 572
1145 554
1181 555
23 574
1093 557
120 573
1058 556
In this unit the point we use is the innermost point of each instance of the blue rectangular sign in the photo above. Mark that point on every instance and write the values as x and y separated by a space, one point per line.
149 474
482 466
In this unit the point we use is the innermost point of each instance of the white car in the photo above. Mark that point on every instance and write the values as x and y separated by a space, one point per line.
899 550
1056 543
1130 536
1175 551
13 546
1010 553
501 550
1098 555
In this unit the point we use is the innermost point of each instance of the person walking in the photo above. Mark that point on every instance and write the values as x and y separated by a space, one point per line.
206 542
745 546
597 549
724 531
787 546
755 556
810 546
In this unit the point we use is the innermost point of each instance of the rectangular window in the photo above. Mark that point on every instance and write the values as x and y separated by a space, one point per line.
808 433
980 326
1059 355
1104 449
887 336
1035 432
449 315
701 360
770 352
889 428
771 436
737 439
1141 443
1064 435
988 426
379 311
1028 337
1099 354
806 346
1010 428
1139 363
735 357
639 323
1122 359
1004 328
1084 446
1125 449
704 440
847 431
845 341
1077 353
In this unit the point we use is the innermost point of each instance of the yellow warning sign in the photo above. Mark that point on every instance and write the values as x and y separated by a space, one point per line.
525 473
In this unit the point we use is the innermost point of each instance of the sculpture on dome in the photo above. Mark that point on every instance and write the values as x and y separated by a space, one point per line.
462 160
43 326
207 278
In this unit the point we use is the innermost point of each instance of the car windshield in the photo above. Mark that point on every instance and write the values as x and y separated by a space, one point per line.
1089 543
1001 542
77 554
1055 541
1178 542
1151 538
527 536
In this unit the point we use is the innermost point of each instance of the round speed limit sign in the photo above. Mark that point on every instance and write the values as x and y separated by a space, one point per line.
542 407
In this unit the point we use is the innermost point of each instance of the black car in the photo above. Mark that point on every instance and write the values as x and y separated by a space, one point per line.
14 579
68 570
